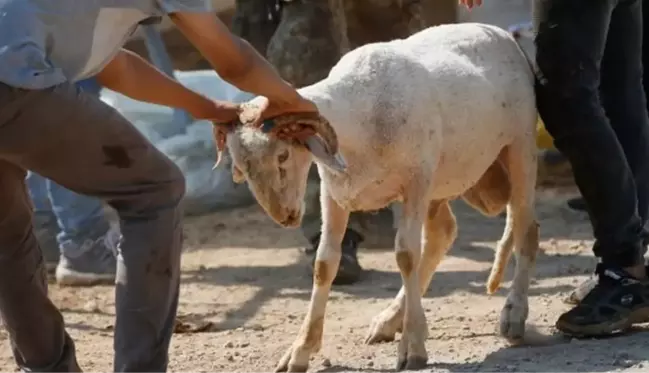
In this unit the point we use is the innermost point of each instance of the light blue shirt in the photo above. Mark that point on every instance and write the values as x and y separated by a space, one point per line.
47 42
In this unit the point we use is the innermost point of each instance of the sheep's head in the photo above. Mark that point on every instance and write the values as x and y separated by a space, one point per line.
276 167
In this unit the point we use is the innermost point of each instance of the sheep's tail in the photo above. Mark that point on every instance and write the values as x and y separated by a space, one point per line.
503 253
539 9
517 31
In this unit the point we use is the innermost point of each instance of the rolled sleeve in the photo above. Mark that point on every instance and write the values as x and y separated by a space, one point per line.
172 6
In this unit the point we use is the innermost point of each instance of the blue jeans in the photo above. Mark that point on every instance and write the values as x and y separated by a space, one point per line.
76 217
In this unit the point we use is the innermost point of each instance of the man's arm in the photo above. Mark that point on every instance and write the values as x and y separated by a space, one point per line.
470 3
238 62
134 77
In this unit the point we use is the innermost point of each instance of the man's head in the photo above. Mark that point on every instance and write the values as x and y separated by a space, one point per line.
276 169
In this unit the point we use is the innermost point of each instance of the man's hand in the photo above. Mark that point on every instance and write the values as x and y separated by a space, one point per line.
470 3
255 112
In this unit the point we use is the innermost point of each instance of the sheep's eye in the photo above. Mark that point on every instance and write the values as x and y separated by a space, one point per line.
282 157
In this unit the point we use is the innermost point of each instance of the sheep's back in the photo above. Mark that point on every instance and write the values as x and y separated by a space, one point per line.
456 92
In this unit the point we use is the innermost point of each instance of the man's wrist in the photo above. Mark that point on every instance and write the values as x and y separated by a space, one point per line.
217 111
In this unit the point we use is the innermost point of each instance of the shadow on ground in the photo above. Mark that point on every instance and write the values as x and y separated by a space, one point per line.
564 354
477 237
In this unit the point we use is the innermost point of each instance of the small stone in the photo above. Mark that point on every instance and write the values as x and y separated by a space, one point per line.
326 363
236 353
370 363
228 344
229 358
91 306
244 344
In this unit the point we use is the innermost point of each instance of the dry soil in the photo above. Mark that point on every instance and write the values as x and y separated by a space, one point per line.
245 290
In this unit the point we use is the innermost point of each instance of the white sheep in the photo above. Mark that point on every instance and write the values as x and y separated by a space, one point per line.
448 112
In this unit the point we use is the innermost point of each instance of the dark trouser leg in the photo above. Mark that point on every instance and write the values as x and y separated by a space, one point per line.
623 96
38 337
86 146
644 209
570 47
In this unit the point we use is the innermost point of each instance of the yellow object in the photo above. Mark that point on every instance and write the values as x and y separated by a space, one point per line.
543 139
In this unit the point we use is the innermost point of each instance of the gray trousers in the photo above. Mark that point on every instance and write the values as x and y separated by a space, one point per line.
86 146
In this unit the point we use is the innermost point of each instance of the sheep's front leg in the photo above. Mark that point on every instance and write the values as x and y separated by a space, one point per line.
412 350
309 339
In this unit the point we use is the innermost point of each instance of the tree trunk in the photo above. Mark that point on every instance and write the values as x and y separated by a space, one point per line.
314 34
304 46
256 21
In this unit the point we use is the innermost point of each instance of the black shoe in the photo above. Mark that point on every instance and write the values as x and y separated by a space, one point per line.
349 270
615 303
577 204
576 296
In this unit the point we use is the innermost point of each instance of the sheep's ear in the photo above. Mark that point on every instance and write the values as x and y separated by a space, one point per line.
237 175
320 150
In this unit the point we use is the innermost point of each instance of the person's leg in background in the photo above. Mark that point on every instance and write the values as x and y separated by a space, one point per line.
574 37
350 269
72 230
46 227
578 203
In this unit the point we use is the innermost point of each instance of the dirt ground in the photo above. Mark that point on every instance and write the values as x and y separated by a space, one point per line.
245 291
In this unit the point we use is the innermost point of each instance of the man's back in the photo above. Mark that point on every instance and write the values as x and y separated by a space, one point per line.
44 42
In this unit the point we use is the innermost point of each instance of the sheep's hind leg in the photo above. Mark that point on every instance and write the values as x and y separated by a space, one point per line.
521 164
309 339
440 231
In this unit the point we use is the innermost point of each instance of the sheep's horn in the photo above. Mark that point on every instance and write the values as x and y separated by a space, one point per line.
220 140
293 124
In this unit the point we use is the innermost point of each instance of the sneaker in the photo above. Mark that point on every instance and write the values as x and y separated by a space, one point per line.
95 264
349 270
616 302
583 289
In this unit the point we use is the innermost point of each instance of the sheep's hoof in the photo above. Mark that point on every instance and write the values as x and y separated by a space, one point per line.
286 365
512 322
412 363
385 326
412 350
291 368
